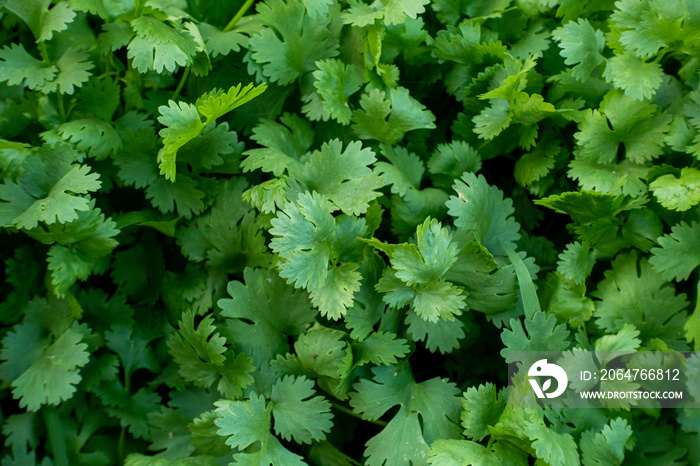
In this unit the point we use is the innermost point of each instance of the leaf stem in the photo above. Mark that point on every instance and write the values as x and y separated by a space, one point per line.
61 108
57 441
120 447
239 14
181 84
352 413
44 52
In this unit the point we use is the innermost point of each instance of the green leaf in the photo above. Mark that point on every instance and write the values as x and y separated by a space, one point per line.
183 124
321 351
607 447
634 293
638 79
18 67
387 117
678 253
680 193
404 172
434 400
217 103
335 83
543 334
482 214
344 177
157 46
481 408
285 144
196 350
462 452
307 238
381 348
576 262
255 321
453 159
96 137
581 45
443 335
47 193
53 377
247 422
291 42
432 256
297 415
555 448
42 21
219 42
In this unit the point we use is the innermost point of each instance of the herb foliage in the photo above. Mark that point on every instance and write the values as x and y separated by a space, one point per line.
311 231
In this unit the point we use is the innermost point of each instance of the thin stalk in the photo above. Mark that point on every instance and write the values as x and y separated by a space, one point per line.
181 84
120 447
350 412
61 108
239 14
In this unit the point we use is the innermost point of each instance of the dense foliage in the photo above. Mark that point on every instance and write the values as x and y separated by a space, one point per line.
298 231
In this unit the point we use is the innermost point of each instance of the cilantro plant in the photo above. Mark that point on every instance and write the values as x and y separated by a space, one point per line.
312 232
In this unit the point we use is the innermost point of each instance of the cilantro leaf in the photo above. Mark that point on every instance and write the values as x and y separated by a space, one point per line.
393 12
434 401
420 269
201 359
247 422
309 240
285 144
157 46
463 452
634 293
555 448
292 41
53 377
42 21
481 408
296 414
388 116
253 315
335 83
576 262
637 125
581 45
344 177
96 137
381 348
543 334
607 446
678 252
482 214
47 194
442 335
638 79
18 67
680 193
183 124
219 42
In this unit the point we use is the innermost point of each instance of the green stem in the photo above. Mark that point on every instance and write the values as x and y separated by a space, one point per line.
57 441
231 24
61 108
120 447
350 412
44 52
488 445
181 84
